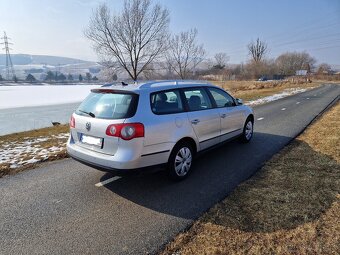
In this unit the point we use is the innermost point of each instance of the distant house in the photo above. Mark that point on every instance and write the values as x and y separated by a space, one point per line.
301 72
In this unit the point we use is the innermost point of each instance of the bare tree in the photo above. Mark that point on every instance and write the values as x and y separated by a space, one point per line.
324 68
132 39
257 50
221 60
184 54
108 73
255 70
153 72
289 62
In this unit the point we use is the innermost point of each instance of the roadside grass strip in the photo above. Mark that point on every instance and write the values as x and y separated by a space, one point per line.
24 150
291 206
255 93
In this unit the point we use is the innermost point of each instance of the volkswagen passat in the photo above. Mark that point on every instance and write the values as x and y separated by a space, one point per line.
165 123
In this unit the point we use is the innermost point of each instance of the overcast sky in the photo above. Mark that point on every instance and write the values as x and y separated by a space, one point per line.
55 27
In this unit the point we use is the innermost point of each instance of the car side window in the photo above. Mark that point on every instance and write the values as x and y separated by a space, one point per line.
222 98
197 99
166 102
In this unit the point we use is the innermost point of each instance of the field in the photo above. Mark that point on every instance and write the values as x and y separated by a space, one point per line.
252 90
291 206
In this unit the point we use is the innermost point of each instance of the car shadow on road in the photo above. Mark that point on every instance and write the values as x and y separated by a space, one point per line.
215 174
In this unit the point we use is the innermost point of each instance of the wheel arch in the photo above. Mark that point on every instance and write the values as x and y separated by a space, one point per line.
189 140
251 117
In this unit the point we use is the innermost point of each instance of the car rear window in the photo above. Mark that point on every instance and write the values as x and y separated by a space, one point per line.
109 105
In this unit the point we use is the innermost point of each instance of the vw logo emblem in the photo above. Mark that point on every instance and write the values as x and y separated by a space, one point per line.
88 126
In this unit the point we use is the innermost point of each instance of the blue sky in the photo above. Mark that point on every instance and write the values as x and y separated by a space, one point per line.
51 27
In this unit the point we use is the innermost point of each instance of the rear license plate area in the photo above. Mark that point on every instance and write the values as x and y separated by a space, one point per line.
91 140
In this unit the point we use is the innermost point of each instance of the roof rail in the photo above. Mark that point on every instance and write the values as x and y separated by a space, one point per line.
176 82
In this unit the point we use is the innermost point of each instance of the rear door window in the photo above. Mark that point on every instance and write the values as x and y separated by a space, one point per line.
197 99
109 105
166 102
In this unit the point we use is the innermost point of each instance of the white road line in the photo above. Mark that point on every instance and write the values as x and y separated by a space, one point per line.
100 184
297 102
260 118
307 97
283 109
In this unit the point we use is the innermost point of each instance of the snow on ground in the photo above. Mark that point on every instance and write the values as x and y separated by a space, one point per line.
285 93
33 95
30 151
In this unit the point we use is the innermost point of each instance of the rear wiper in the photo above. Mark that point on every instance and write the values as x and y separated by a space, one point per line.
88 113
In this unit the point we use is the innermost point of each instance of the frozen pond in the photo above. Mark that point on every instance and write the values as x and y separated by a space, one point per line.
29 118
31 107
37 95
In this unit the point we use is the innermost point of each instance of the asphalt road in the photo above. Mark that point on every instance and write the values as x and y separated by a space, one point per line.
58 209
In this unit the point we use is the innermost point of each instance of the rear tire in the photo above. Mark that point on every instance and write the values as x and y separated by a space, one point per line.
180 161
248 131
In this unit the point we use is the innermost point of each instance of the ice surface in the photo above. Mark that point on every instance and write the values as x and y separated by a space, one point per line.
34 95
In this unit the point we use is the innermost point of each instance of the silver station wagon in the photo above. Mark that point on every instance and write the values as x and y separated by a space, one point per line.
136 126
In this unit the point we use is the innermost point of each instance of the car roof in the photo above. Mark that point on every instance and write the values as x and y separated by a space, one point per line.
155 85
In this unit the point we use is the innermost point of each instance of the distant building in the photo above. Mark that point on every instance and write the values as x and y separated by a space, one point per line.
301 72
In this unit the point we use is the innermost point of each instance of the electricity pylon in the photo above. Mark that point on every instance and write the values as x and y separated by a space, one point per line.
9 65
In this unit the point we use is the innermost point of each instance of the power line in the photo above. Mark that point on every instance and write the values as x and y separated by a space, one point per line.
303 32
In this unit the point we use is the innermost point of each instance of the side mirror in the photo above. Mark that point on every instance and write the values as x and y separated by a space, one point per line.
239 101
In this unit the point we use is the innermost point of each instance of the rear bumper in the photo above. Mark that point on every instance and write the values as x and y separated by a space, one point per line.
122 172
122 162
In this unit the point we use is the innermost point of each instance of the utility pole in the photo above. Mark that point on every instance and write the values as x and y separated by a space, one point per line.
9 65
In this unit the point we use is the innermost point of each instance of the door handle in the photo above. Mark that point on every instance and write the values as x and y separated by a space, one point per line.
195 121
223 115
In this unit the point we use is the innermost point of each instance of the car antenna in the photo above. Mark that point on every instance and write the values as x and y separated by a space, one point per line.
124 84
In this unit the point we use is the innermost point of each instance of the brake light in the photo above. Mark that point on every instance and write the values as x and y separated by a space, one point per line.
126 131
72 122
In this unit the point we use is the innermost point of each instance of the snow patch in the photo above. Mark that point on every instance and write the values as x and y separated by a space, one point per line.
285 93
30 151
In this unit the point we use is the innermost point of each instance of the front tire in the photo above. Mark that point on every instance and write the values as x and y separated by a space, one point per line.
180 161
248 131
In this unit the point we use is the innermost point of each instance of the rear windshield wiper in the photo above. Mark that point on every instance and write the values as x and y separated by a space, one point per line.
88 113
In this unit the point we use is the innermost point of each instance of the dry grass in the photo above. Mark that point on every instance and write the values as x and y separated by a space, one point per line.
291 206
43 132
251 90
40 150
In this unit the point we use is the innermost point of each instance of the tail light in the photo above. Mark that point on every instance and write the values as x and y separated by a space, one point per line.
126 131
72 122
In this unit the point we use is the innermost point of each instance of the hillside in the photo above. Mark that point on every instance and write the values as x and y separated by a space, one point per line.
26 59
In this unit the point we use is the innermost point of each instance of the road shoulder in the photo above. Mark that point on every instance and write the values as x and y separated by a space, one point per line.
290 206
